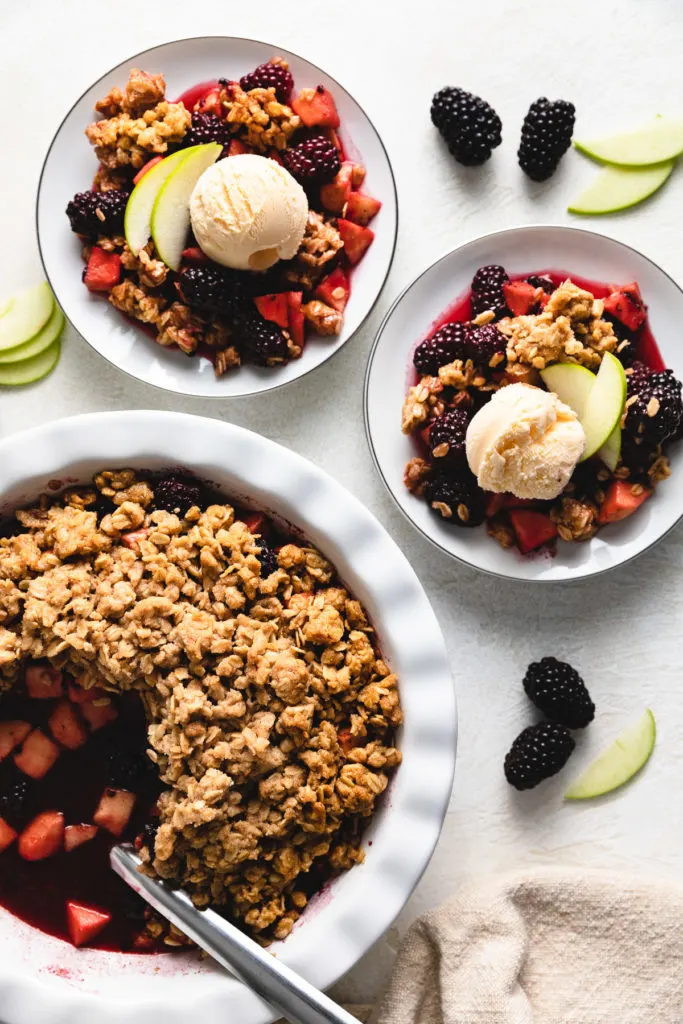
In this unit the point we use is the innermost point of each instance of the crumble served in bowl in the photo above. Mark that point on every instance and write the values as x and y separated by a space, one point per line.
245 220
257 614
533 397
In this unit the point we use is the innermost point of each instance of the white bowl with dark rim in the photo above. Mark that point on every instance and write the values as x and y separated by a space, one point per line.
70 165
522 250
44 980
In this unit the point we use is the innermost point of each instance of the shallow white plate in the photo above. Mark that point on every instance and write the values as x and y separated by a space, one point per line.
70 165
519 250
46 981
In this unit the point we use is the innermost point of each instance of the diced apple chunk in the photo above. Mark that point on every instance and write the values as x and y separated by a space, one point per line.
7 835
37 755
79 695
43 837
43 682
84 922
114 810
99 715
12 733
76 835
67 726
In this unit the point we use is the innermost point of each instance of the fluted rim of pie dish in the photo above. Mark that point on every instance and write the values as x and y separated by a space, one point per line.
44 980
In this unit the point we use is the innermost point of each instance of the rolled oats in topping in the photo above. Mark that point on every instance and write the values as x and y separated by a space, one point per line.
271 715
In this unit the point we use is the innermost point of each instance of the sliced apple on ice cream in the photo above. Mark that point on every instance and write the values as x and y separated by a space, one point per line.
597 399
618 188
660 140
30 311
619 763
137 220
170 220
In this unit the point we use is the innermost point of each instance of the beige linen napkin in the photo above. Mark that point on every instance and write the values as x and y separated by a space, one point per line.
550 947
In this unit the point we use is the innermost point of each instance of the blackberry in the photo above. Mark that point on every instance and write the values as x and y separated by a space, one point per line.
268 560
97 213
459 500
215 289
487 290
656 414
13 797
272 75
484 343
538 752
312 161
207 128
559 692
445 345
149 835
175 495
261 341
447 437
469 126
541 281
546 137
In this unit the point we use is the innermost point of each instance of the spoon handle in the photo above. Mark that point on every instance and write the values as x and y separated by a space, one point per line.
278 985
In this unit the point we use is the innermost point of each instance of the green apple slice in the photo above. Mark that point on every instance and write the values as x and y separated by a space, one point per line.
30 370
571 383
610 452
137 220
658 141
619 763
30 311
617 188
6 305
605 404
171 211
43 339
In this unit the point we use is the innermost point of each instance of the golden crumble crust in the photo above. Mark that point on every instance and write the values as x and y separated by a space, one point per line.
258 118
271 714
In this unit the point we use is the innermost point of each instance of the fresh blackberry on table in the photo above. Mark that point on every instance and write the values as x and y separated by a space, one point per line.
484 343
445 345
13 797
559 692
207 128
447 438
541 281
487 290
313 161
268 560
539 752
459 500
98 213
469 126
261 341
656 413
546 136
175 495
215 289
271 75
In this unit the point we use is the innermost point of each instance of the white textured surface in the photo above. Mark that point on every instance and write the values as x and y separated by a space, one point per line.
620 63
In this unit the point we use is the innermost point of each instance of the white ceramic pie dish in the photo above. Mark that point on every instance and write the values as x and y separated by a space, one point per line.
69 168
44 980
519 250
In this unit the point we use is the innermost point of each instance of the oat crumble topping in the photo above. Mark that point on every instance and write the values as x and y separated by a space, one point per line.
271 712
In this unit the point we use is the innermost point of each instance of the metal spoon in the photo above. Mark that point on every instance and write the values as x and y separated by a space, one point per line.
279 986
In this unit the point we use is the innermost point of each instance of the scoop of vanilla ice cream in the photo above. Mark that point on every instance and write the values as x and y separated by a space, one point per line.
248 212
526 442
